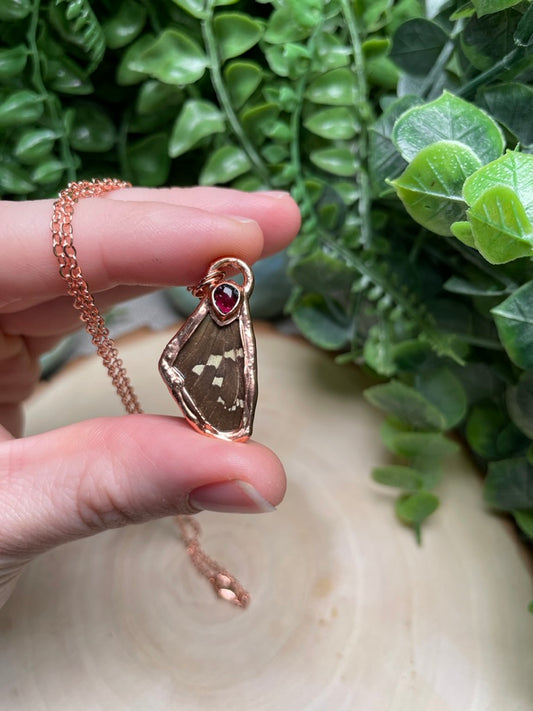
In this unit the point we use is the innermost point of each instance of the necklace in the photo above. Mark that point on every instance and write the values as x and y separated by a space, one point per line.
223 302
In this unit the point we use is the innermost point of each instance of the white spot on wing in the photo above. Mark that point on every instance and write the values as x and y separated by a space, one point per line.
198 369
217 381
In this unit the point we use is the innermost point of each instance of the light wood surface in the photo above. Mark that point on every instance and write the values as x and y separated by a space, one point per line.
348 613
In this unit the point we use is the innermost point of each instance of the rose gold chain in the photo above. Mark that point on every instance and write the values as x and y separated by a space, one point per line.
225 585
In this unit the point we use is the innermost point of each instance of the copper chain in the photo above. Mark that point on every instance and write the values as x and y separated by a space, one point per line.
226 586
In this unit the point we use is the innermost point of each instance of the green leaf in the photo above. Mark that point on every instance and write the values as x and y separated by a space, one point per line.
485 40
66 77
125 25
34 145
513 170
257 121
338 161
316 321
197 120
445 391
21 107
512 105
48 172
514 321
509 484
524 520
385 160
288 60
148 160
407 405
416 46
337 123
405 443
235 33
484 424
322 272
463 232
242 79
14 180
196 8
126 74
501 228
330 53
398 476
12 10
452 119
154 97
173 58
224 165
414 509
488 7
12 60
520 403
431 187
293 22
92 129
335 88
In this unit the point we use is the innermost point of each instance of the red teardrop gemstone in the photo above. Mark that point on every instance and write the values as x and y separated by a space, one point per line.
226 298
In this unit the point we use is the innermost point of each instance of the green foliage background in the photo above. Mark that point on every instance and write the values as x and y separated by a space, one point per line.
403 130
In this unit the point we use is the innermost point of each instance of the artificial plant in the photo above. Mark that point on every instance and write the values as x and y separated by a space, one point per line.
402 129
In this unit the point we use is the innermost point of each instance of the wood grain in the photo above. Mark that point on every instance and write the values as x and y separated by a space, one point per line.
348 613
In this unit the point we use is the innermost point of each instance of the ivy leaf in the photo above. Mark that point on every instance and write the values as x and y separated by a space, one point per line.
322 272
406 443
448 118
398 476
485 40
224 165
242 79
514 321
431 187
416 46
173 58
235 33
334 88
509 484
489 433
197 120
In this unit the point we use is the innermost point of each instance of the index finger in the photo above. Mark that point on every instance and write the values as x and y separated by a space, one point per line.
146 237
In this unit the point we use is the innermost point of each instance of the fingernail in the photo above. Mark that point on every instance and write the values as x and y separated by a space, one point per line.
238 218
277 194
230 497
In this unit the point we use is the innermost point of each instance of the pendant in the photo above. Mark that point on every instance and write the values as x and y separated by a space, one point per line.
210 366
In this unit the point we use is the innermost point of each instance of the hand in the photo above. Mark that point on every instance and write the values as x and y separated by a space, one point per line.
104 473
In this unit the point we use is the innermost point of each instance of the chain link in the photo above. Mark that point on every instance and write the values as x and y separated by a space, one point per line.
225 585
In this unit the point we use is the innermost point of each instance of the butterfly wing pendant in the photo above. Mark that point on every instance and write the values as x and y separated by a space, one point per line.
210 365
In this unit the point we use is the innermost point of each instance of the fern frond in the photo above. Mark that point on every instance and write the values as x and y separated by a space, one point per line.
85 27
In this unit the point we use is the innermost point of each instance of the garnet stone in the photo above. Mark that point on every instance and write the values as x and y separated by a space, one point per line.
226 297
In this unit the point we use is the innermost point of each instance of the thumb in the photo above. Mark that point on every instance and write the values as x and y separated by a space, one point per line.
105 473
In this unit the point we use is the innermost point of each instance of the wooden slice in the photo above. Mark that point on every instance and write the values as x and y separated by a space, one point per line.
347 612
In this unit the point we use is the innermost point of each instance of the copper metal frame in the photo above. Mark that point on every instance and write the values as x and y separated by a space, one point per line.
174 378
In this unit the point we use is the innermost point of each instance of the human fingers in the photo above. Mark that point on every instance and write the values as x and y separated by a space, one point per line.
152 243
105 473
